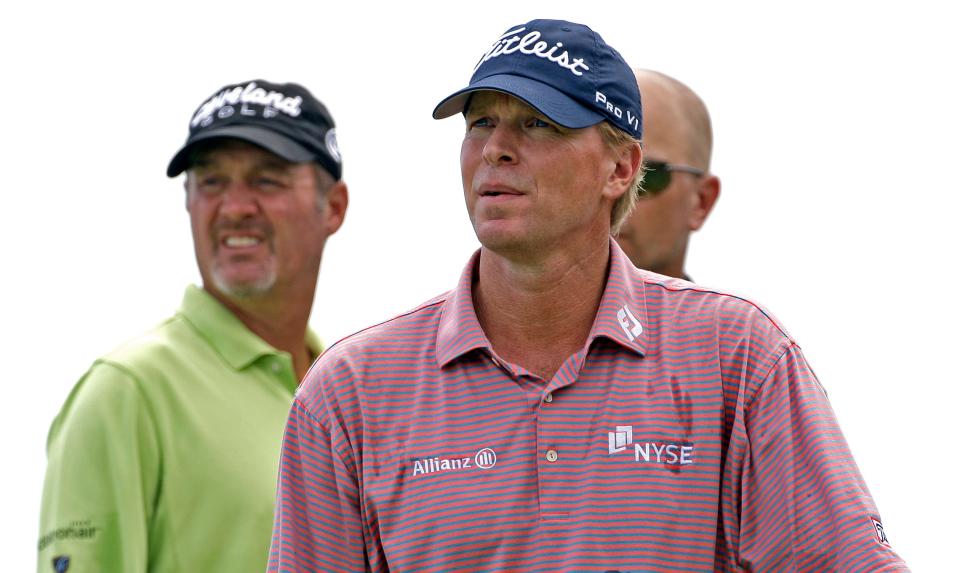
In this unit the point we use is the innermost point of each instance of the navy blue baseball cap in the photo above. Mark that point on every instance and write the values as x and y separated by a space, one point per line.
284 119
564 70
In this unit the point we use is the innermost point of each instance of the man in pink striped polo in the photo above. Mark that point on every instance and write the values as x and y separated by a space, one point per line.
560 409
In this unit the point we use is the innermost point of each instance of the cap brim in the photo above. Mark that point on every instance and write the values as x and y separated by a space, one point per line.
546 99
267 139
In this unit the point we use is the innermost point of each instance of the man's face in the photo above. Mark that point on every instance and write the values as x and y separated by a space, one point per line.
259 225
531 184
656 234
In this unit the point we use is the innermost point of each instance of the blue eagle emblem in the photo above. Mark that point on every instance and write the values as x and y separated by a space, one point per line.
61 564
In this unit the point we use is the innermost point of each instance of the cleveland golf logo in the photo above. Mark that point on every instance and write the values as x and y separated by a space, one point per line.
224 104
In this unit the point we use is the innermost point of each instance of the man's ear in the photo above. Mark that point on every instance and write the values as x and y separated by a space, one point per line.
707 193
628 164
337 200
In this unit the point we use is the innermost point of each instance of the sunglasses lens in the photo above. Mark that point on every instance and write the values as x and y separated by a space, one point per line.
656 179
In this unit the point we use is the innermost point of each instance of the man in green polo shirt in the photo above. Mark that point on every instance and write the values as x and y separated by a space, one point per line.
164 456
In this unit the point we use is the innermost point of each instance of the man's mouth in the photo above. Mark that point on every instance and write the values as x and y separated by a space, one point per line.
497 192
240 241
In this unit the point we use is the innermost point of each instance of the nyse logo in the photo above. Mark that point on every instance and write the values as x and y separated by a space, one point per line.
649 451
620 439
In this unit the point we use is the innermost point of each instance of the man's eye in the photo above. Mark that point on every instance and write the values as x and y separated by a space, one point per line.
209 182
481 122
269 183
537 122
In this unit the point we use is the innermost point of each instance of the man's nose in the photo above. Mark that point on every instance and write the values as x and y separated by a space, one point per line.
500 147
239 200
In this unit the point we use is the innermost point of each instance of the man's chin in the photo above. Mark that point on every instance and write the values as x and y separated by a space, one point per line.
244 288
496 235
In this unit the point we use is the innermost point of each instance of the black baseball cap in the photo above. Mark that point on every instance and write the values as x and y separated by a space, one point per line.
284 119
564 70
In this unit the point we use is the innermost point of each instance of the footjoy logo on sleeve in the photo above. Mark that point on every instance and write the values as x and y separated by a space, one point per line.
648 451
531 45
484 460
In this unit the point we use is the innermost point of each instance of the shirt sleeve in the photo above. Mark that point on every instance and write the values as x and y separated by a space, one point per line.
318 525
101 478
803 505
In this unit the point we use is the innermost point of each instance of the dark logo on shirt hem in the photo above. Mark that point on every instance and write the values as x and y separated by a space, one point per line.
61 564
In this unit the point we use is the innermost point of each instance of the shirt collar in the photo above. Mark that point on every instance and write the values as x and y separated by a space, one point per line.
622 310
222 330
621 316
459 330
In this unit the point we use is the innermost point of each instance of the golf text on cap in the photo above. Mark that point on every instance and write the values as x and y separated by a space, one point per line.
249 94
531 44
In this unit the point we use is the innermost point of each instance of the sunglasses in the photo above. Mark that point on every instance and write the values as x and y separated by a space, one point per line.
659 175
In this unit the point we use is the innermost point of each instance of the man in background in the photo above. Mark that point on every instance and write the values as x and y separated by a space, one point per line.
679 189
164 456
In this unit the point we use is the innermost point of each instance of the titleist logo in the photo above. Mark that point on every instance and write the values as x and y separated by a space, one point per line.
531 44
248 94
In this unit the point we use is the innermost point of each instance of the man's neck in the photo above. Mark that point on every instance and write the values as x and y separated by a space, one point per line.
670 268
281 321
538 314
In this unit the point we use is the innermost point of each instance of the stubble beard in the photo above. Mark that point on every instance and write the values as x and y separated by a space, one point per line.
245 289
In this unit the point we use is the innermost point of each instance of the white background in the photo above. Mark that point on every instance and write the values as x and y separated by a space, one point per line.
835 141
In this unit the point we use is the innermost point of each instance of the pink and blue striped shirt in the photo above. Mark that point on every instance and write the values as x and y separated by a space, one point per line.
687 435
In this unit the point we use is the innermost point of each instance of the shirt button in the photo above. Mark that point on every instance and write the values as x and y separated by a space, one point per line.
548 398
551 455
276 367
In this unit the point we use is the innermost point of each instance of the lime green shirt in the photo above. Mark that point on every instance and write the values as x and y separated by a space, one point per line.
164 456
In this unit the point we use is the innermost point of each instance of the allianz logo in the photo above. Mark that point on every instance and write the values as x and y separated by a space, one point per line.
649 452
483 459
